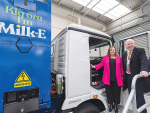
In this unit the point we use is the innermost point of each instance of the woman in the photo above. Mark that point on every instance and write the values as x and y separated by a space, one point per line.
112 76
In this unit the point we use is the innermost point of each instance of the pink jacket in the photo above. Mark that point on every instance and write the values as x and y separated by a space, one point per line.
106 72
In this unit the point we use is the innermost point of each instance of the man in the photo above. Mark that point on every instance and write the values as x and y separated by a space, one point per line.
135 62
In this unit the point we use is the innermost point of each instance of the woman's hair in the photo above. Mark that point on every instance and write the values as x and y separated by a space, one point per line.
108 53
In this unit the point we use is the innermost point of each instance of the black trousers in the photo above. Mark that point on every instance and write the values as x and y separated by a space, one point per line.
139 98
113 92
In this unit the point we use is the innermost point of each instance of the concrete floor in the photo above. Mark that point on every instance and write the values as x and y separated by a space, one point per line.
120 109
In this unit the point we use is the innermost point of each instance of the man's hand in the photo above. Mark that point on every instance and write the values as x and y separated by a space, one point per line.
144 73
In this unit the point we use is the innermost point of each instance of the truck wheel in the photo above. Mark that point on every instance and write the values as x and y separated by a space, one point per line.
87 108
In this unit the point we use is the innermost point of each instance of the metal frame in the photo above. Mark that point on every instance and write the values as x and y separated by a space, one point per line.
84 7
133 36
141 8
59 2
107 11
132 97
98 17
91 8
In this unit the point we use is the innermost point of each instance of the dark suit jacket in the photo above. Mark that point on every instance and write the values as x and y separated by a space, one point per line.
138 63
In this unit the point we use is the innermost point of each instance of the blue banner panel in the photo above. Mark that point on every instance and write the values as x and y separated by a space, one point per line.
25 41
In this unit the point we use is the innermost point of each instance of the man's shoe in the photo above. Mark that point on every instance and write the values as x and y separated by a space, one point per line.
115 108
110 107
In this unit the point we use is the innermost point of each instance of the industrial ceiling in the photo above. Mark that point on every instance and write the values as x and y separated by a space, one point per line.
86 10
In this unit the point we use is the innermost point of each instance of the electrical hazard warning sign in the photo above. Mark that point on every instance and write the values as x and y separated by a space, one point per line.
22 80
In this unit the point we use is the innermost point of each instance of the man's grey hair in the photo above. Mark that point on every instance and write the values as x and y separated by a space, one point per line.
130 39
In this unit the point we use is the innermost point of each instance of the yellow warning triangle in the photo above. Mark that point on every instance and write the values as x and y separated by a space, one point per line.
23 76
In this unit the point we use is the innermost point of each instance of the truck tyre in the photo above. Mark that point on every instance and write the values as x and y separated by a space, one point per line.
87 108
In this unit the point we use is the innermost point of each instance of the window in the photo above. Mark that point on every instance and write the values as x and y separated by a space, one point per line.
98 52
98 47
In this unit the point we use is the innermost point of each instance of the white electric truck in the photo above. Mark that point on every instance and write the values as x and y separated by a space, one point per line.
72 51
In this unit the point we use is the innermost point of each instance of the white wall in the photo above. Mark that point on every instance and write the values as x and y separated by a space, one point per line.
58 24
62 17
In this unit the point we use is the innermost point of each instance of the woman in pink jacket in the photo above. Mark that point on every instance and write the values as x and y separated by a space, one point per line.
112 77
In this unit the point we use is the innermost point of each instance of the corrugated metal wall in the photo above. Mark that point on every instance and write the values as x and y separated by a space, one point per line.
140 41
132 28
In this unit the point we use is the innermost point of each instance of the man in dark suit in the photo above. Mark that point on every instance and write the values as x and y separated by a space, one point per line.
135 62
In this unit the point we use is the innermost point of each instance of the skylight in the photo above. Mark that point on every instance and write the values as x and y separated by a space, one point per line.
110 8
82 2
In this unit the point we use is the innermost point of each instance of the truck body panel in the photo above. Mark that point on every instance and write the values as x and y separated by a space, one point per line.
71 58
25 43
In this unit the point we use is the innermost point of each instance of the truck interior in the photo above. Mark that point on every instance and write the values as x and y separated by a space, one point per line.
98 48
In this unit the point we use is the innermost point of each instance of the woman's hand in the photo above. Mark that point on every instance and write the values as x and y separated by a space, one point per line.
92 66
122 77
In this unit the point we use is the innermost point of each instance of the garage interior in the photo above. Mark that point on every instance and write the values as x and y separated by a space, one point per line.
118 18
74 78
132 18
